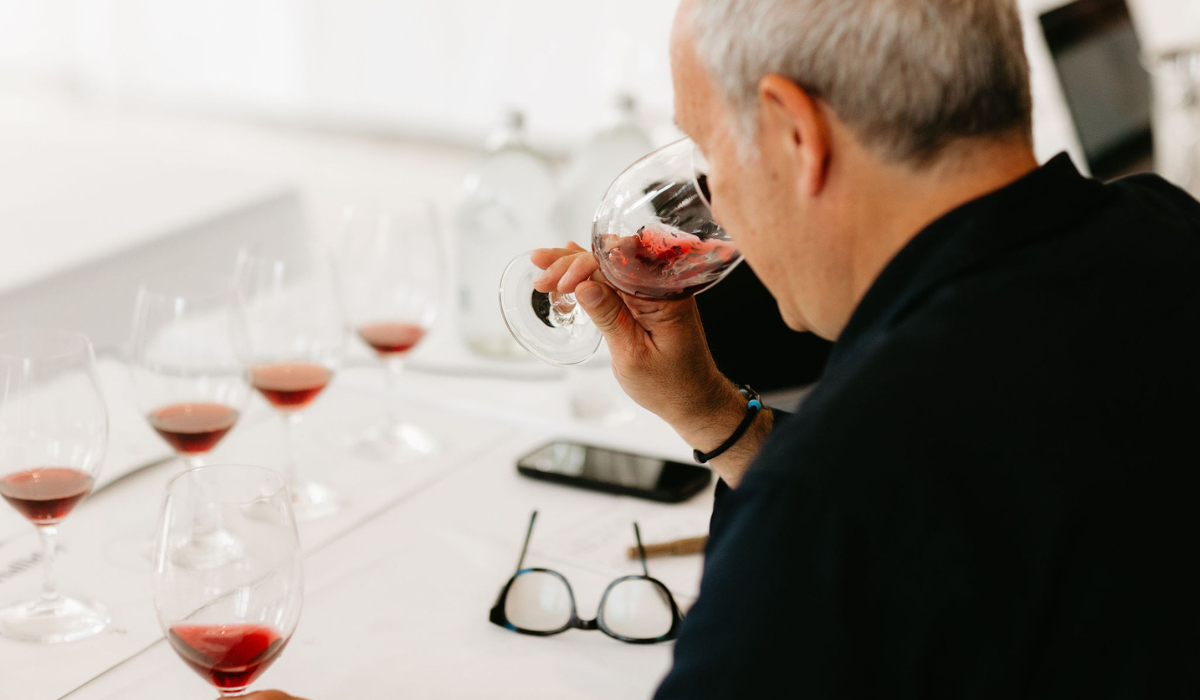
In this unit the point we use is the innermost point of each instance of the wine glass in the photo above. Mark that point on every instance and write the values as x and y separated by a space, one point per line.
188 379
186 368
295 338
230 622
391 285
653 237
53 434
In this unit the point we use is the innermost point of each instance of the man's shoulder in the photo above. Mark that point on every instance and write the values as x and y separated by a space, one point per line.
1151 192
878 412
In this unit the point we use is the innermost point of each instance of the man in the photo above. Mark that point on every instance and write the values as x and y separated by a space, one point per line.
990 494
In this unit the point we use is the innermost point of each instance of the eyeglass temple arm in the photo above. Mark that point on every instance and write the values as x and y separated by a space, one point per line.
637 533
528 534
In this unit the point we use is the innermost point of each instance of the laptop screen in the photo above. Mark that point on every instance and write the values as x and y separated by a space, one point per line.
1098 58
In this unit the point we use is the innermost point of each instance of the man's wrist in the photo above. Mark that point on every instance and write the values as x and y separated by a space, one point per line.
753 407
713 417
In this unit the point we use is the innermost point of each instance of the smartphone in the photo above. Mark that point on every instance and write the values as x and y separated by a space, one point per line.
611 471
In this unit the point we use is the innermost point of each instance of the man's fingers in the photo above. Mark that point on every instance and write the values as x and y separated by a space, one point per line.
545 257
582 268
548 281
565 273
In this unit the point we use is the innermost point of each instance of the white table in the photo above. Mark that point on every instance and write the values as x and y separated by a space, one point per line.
399 585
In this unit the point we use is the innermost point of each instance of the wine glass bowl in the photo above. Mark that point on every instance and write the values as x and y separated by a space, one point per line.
229 622
186 368
53 436
653 237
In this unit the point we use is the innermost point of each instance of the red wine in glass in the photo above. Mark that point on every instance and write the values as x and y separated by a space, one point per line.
664 263
193 428
230 657
391 338
291 385
46 495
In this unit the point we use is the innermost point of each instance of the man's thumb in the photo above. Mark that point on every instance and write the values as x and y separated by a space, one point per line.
603 306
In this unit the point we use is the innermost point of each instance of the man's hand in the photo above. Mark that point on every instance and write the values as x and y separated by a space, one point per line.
270 695
660 357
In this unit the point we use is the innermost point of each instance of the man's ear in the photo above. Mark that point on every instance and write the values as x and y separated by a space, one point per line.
793 120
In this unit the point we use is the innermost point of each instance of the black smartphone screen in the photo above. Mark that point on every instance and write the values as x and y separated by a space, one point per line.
610 471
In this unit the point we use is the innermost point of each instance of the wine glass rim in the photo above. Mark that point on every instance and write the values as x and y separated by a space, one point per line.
311 259
693 150
218 293
278 484
696 172
77 342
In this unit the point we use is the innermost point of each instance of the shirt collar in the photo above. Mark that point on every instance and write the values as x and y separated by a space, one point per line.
1033 207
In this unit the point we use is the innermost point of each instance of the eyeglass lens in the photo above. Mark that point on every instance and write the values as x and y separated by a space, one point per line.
637 609
539 602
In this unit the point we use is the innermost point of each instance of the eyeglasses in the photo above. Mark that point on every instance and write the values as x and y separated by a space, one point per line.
540 602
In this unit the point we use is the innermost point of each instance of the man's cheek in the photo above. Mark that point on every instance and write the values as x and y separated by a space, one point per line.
727 203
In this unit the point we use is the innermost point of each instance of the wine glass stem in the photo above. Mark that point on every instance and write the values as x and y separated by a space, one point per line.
291 420
191 461
395 367
48 535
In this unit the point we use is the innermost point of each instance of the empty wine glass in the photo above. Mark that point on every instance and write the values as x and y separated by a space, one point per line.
53 434
230 622
653 237
391 285
295 339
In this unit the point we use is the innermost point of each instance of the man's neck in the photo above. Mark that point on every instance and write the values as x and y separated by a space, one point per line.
908 201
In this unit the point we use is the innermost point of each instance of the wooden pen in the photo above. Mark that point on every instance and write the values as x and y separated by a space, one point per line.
676 548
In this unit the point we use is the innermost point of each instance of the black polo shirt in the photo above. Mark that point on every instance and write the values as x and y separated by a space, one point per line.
993 491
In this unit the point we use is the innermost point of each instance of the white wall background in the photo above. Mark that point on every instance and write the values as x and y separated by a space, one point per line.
442 69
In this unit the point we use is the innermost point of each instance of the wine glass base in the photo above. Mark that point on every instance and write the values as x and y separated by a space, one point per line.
547 331
60 619
311 500
396 444
208 550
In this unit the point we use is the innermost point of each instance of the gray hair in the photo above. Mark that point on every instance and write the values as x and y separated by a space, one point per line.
908 76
